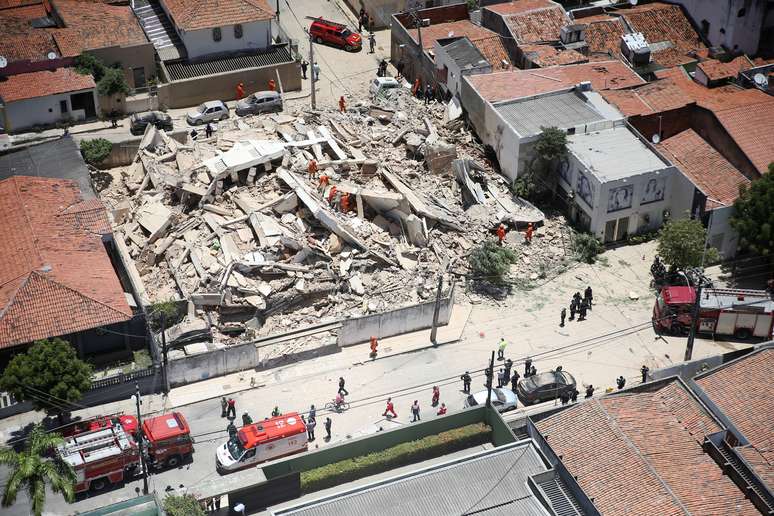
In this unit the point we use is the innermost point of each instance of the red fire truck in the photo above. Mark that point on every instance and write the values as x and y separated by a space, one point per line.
262 441
129 423
738 312
110 453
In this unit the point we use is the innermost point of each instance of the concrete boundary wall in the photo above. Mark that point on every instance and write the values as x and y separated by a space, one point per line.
395 322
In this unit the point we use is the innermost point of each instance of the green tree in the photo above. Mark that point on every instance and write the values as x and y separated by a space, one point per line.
87 64
182 505
753 215
551 144
112 83
587 247
534 182
95 151
681 244
36 467
491 262
49 375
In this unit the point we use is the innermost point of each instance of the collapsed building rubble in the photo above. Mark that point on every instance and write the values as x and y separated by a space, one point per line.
235 225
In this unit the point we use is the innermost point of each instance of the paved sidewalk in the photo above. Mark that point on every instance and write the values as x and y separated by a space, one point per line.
351 355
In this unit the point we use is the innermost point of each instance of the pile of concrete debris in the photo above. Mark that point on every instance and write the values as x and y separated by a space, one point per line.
236 225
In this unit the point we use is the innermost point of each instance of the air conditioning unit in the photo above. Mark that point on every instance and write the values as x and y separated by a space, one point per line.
572 33
635 48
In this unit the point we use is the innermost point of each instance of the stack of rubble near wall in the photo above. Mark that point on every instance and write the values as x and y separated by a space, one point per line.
235 225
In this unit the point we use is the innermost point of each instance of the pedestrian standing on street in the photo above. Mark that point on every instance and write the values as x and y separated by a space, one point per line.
589 391
620 381
436 396
573 308
224 406
465 382
562 316
232 430
312 412
240 91
231 411
276 412
644 370
527 366
514 381
372 42
374 341
588 296
442 410
583 308
508 365
532 371
272 85
304 66
316 71
415 411
501 349
500 377
208 130
489 374
564 397
246 419
390 408
328 424
382 70
574 395
342 390
310 428
360 18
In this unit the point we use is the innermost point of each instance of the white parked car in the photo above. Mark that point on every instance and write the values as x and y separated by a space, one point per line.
379 84
210 111
502 399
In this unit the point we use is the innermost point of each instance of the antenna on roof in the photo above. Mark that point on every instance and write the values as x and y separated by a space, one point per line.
51 55
655 138
3 62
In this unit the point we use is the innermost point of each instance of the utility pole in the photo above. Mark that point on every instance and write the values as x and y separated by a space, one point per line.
437 309
489 381
165 363
312 66
694 324
140 442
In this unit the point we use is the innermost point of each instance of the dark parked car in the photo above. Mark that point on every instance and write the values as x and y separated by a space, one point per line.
545 386
139 121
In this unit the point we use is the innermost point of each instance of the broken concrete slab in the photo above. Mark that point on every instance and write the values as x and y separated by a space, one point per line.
417 204
190 330
439 156
155 218
472 192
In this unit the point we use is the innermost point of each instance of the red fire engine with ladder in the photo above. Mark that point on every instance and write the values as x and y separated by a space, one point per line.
107 451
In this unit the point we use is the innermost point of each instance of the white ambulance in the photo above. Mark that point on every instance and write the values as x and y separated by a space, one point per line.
262 441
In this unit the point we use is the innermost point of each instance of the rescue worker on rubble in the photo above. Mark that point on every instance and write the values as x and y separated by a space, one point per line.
342 104
501 233
311 169
324 180
528 235
344 202
332 194
240 91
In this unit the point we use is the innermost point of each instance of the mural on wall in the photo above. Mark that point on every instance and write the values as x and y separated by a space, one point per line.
564 171
654 190
583 189
620 198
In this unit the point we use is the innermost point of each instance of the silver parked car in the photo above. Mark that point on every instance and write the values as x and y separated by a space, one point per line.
259 102
502 399
210 111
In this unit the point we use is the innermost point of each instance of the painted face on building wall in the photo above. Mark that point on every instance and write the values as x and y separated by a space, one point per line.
654 190
620 198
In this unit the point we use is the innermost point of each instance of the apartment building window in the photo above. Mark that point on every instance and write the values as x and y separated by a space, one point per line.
238 31
216 34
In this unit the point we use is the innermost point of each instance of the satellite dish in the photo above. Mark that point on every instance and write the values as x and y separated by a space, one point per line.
3 62
760 80
655 138
52 55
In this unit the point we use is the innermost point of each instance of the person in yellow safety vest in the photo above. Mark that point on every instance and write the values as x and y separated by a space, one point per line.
501 349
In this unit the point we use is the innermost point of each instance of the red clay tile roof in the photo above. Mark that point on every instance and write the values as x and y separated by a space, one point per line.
705 167
546 55
40 84
715 70
723 97
542 23
493 50
55 275
740 391
654 97
641 453
752 128
519 6
665 22
199 14
444 30
603 34
522 83
20 41
92 25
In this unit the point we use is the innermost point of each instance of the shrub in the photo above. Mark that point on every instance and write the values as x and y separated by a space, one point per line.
405 453
491 262
95 151
169 309
587 247
112 83
182 505
87 64
681 244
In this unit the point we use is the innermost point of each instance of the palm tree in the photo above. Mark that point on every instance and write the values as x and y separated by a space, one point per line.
34 467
